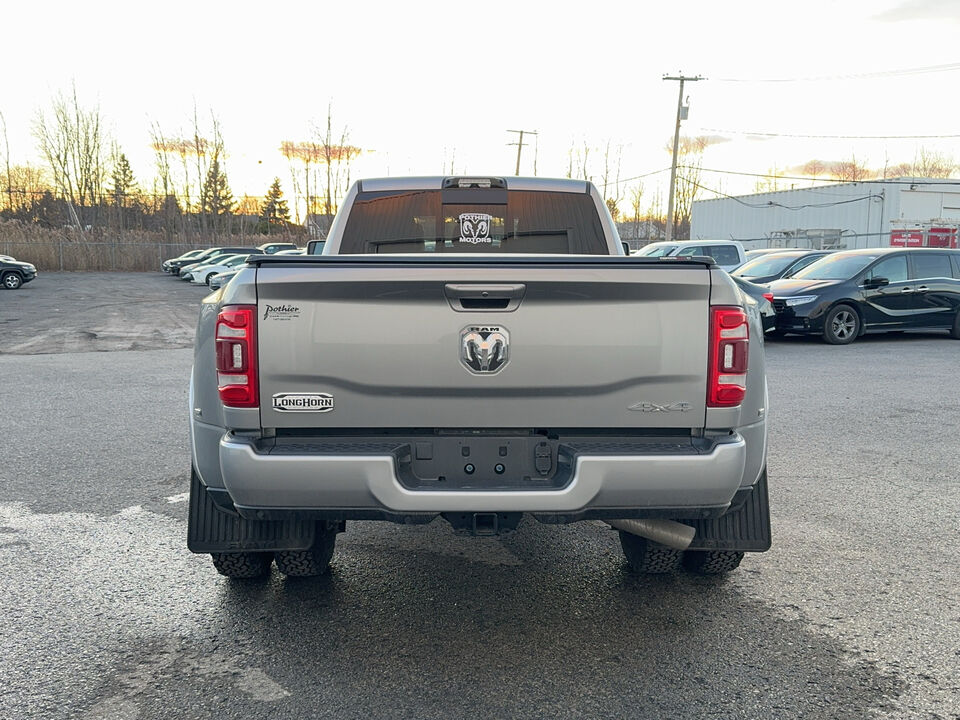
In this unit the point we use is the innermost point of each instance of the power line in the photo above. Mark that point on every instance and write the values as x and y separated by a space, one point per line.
832 137
834 181
648 174
946 67
772 204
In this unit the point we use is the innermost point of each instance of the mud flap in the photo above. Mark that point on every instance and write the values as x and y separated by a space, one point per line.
746 528
211 529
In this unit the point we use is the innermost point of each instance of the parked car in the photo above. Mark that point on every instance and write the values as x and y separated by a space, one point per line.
201 274
214 259
295 251
773 266
757 252
13 273
221 279
177 264
728 254
852 292
167 265
275 247
762 296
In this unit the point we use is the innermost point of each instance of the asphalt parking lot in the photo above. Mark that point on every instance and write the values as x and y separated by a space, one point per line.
854 613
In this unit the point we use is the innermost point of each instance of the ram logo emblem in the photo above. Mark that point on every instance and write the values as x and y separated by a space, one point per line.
484 349
475 228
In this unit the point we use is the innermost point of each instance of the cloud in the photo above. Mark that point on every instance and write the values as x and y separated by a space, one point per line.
714 139
922 10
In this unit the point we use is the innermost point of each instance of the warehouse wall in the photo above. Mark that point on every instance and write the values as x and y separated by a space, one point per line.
858 214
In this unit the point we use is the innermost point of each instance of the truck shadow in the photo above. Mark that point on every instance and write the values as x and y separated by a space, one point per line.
546 623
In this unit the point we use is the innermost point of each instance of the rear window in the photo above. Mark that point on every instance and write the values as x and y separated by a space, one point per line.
931 265
723 254
659 251
473 220
764 265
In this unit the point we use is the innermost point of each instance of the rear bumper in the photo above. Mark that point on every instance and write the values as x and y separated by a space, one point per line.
258 480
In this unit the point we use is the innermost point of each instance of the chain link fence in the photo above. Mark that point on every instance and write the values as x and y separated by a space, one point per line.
98 251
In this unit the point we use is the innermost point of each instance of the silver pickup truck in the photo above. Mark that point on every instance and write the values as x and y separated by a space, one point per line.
482 350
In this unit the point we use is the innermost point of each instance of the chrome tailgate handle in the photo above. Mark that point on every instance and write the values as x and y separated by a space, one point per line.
486 298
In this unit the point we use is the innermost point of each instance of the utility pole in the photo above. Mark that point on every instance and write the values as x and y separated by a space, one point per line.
520 143
676 141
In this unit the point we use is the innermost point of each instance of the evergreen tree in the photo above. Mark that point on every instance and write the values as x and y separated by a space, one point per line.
124 184
124 190
274 213
217 200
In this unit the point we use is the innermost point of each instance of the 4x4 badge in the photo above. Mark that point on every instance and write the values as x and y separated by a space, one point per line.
660 407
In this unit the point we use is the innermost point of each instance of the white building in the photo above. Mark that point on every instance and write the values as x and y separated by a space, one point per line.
847 215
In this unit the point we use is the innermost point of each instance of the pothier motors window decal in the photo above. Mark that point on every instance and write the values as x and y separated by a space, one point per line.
475 228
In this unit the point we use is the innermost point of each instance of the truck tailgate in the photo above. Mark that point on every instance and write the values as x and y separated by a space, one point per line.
482 345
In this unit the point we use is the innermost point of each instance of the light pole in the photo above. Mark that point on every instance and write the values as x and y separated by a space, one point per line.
676 141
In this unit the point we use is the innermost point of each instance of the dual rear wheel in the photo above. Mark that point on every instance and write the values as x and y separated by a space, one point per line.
292 563
646 556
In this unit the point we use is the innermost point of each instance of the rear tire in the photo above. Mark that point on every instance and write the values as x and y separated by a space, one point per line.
308 563
711 562
242 564
12 281
645 556
841 325
209 277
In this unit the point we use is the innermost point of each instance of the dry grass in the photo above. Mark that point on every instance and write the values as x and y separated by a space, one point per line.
106 250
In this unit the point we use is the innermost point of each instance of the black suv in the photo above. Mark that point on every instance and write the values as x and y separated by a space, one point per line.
853 292
14 273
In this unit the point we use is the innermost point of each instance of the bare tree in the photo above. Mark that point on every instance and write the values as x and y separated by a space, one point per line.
164 187
769 183
6 160
23 185
611 174
72 140
688 189
814 168
337 157
309 154
932 164
850 170
899 170
636 195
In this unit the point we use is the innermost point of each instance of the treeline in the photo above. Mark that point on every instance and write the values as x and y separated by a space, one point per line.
87 181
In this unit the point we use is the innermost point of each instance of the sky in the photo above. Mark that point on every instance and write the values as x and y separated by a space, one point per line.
421 85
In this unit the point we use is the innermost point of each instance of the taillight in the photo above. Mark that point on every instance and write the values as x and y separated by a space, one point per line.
768 297
237 356
729 346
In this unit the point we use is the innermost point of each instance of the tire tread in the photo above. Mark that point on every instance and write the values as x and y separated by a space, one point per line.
242 564
711 562
645 556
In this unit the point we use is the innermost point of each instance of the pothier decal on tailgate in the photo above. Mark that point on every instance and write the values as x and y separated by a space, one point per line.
281 312
303 402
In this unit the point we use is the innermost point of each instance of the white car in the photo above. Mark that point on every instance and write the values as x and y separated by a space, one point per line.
728 254
201 274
